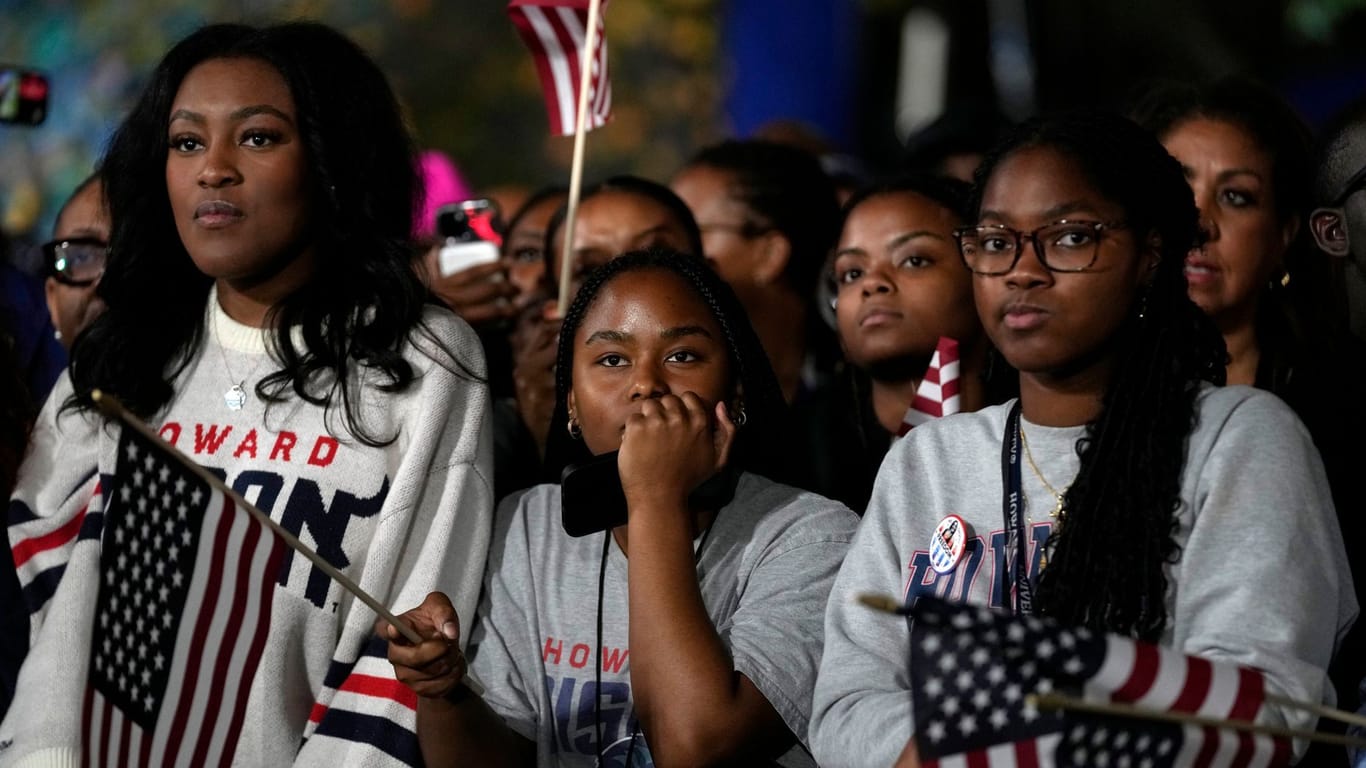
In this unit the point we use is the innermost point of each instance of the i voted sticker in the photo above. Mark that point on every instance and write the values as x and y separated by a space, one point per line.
947 545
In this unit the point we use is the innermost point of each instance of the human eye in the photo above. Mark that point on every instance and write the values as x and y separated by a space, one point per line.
612 360
683 356
1073 236
527 254
185 142
1238 198
916 261
260 139
995 242
847 276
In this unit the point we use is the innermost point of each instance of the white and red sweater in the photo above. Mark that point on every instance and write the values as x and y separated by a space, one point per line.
400 520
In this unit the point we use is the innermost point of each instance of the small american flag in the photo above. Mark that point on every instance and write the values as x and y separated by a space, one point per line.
937 394
555 31
186 582
972 669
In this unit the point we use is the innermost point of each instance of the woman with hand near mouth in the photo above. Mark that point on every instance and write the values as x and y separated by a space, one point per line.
263 317
724 592
1138 477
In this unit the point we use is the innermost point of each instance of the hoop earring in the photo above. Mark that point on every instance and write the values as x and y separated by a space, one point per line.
740 418
575 432
1143 303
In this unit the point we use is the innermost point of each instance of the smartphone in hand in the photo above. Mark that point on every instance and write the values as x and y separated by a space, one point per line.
469 232
591 498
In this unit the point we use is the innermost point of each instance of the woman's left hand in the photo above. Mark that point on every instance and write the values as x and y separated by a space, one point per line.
670 447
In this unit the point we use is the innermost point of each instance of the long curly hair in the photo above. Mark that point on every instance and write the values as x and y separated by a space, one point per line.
760 445
1109 552
355 312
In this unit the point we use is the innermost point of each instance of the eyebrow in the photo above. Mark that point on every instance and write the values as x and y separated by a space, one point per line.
1056 212
239 114
621 337
895 242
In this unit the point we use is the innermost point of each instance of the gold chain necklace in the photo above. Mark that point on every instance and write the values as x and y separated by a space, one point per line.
1057 510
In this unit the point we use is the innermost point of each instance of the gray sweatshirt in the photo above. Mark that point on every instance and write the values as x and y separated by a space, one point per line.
1261 580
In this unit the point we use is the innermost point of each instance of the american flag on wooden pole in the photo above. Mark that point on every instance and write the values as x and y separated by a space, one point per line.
975 671
187 576
186 583
937 394
556 32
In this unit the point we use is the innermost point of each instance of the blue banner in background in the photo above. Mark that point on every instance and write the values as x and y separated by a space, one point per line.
791 60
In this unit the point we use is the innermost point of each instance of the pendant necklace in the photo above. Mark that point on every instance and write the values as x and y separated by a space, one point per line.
1057 512
235 398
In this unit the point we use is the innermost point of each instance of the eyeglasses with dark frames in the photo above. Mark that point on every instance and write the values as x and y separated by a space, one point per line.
77 262
1353 185
1063 246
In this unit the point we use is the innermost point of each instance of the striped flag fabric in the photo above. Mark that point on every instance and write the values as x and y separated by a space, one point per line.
555 31
184 605
937 394
972 669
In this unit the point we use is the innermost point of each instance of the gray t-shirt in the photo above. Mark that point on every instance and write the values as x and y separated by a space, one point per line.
765 571
1261 579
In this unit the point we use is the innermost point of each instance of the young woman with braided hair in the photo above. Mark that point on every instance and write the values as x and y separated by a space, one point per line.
724 592
1155 506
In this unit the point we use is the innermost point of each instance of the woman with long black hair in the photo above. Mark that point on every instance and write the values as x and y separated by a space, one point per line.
1155 505
264 318
703 643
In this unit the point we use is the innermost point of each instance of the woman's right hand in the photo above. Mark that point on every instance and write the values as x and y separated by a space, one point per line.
479 294
435 666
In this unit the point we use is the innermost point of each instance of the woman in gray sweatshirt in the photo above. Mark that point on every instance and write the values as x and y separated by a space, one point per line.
1146 503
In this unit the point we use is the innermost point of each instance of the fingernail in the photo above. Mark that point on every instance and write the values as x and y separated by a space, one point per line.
449 630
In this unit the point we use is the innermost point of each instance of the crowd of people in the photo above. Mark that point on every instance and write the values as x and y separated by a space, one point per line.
632 532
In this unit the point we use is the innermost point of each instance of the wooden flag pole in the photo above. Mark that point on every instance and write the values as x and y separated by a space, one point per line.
1318 709
1058 701
590 43
888 604
111 407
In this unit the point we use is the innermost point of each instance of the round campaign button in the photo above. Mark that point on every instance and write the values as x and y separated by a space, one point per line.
947 545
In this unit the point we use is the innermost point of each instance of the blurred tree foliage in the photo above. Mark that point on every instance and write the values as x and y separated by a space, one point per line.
462 73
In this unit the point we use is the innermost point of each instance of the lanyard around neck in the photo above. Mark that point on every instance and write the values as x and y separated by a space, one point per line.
1016 572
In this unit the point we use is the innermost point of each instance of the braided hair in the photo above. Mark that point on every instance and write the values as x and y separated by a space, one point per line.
759 446
1108 555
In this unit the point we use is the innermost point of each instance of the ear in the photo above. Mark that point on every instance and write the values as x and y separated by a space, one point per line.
570 403
771 262
50 293
1289 230
1330 232
1153 254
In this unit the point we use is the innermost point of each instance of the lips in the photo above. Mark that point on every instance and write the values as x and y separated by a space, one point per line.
1023 317
1201 271
215 214
874 317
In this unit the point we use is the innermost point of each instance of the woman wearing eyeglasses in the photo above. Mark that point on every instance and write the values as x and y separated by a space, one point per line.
1154 504
75 260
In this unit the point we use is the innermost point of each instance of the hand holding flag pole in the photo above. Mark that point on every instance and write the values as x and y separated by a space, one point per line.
112 408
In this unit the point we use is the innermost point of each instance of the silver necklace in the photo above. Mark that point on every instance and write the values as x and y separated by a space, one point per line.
236 395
